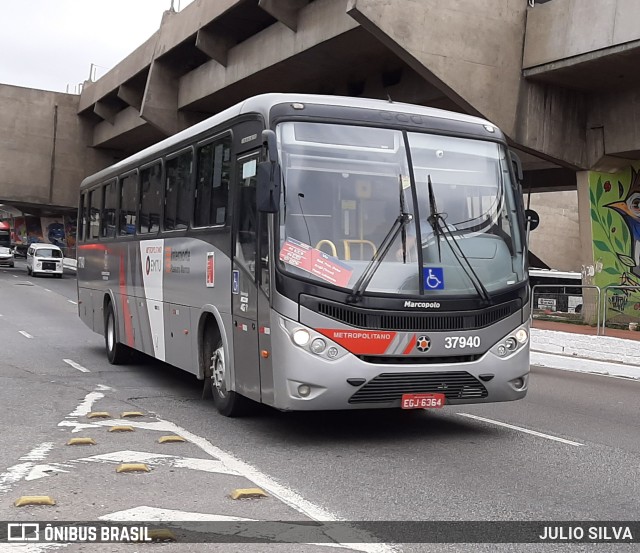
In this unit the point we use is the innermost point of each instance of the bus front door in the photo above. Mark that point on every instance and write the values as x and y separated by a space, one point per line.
244 288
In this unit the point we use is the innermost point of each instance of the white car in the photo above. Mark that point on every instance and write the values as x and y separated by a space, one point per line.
6 256
45 259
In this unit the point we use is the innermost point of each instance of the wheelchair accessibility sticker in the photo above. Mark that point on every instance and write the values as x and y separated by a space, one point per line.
433 278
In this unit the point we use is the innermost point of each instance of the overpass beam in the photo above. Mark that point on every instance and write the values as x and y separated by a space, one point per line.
214 45
105 111
131 95
285 11
160 101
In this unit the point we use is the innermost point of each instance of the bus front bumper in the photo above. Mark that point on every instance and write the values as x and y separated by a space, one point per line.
306 382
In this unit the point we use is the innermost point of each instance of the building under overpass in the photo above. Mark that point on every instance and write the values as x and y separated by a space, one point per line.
559 77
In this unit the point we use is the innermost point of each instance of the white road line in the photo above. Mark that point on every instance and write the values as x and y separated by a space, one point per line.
25 334
14 276
520 429
85 406
73 302
38 453
47 290
76 366
283 493
18 472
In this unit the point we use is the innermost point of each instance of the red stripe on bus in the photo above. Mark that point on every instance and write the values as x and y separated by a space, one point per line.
410 346
366 342
128 329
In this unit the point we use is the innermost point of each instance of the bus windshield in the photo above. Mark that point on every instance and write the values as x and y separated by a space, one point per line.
345 186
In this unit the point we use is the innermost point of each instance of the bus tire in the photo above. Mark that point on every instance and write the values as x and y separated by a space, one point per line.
227 402
116 352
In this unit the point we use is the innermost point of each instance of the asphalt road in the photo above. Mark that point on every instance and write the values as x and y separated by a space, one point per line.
569 451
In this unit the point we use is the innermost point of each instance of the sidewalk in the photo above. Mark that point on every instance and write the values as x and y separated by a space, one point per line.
578 348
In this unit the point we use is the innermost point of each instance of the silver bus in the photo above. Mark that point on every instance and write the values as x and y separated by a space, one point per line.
315 253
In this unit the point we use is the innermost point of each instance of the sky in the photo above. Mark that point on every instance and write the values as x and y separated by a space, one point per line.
51 44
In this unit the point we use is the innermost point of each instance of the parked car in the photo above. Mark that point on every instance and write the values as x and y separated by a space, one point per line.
44 259
6 256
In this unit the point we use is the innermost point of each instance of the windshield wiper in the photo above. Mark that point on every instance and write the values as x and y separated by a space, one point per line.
398 226
440 228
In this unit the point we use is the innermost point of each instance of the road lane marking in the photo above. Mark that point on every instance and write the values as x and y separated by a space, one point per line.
18 472
38 453
76 366
520 429
73 302
25 334
205 465
14 276
281 492
47 290
86 405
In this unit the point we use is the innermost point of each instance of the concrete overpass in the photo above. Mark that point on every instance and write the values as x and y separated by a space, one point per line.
559 78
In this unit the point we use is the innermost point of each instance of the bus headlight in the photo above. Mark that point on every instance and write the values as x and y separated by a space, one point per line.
318 345
522 335
301 337
511 344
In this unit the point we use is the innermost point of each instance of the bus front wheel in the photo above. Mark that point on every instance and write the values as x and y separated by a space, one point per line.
227 402
116 352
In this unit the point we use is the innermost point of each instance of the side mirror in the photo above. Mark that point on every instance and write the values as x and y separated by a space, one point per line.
517 165
268 177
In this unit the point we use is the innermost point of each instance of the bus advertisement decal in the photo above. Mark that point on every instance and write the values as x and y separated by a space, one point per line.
324 266
361 342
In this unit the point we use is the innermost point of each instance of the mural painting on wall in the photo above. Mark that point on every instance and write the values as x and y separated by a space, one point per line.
615 225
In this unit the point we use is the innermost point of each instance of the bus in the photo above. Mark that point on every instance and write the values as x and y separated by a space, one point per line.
316 253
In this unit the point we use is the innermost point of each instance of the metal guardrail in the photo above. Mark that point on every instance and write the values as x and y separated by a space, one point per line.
606 290
598 303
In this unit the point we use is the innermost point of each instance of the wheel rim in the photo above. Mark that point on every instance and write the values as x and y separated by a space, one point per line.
218 372
110 332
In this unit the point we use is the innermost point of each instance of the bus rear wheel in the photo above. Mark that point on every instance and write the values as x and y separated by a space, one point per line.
227 402
116 352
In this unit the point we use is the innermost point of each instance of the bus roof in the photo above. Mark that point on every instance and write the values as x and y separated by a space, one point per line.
262 104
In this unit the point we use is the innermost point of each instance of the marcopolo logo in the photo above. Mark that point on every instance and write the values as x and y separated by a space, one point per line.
422 304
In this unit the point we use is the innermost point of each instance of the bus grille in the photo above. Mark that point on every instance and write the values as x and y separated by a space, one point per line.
392 320
389 387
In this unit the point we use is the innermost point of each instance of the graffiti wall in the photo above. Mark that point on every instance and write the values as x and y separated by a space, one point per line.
615 224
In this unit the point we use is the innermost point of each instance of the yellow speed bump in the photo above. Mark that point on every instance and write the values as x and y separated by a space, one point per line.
34 500
131 414
81 441
170 439
247 493
162 534
121 429
99 415
133 467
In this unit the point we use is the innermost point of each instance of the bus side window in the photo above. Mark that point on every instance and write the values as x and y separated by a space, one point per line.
178 192
82 223
94 214
150 199
212 183
109 211
128 195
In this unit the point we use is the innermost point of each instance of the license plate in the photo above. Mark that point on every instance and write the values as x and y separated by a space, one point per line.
423 401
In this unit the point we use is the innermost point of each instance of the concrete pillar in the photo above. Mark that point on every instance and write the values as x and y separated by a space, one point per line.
590 297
